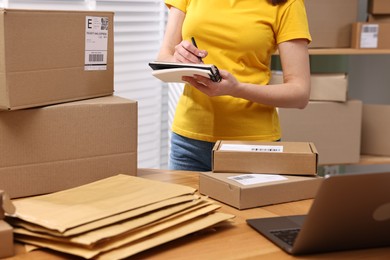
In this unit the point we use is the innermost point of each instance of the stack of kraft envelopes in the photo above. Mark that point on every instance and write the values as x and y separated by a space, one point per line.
113 218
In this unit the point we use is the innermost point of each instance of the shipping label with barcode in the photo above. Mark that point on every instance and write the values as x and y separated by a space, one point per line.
96 42
252 148
250 179
369 36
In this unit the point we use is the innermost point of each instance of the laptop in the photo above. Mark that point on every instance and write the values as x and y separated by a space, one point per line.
350 211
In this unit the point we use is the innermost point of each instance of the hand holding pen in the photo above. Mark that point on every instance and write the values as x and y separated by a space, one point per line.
200 54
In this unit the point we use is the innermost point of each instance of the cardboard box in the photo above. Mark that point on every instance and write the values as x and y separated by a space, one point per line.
334 128
373 18
221 187
6 240
61 146
299 158
379 7
371 35
330 22
375 130
48 57
324 87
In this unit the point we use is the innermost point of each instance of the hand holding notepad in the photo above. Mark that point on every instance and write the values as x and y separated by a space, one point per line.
173 71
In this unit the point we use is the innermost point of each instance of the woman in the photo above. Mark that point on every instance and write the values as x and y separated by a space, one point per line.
239 37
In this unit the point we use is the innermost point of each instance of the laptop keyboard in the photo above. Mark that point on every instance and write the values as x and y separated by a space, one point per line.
286 235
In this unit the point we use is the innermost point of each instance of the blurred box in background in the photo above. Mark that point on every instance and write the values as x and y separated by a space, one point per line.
324 86
330 22
376 129
334 128
379 7
371 35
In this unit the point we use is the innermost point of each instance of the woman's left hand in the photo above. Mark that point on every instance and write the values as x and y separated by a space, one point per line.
227 86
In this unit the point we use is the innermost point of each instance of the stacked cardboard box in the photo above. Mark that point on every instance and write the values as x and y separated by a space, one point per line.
249 174
331 121
375 33
60 125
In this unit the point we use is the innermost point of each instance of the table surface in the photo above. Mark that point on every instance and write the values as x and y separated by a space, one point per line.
236 241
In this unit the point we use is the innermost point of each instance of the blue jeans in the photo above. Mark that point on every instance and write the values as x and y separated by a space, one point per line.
189 154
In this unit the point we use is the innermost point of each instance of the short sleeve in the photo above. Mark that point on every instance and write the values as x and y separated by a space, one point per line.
179 4
292 22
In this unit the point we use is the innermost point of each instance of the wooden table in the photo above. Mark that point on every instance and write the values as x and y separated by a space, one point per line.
237 241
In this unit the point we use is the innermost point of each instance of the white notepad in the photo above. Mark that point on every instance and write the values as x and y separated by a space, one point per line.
173 72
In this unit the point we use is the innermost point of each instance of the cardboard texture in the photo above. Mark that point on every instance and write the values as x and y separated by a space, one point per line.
371 35
218 186
61 146
334 128
379 6
375 130
324 87
108 198
330 22
49 57
298 158
6 240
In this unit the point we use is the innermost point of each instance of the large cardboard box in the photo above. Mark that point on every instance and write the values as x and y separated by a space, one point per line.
299 158
379 7
330 22
371 35
49 57
324 87
245 191
66 145
334 128
375 130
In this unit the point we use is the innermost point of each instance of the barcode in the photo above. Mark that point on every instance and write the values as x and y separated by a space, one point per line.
243 177
265 149
96 57
370 29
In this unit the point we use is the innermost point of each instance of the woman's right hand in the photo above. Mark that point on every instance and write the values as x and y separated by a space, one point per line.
186 52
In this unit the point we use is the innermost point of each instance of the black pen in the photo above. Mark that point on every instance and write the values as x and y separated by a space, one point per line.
194 43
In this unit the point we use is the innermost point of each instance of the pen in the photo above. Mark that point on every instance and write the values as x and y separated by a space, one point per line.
194 43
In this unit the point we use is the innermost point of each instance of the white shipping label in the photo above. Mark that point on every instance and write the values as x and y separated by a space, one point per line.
252 148
250 179
96 42
369 36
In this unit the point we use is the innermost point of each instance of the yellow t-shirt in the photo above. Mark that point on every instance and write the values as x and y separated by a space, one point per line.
240 37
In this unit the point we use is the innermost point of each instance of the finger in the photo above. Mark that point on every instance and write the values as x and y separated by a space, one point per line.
192 54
